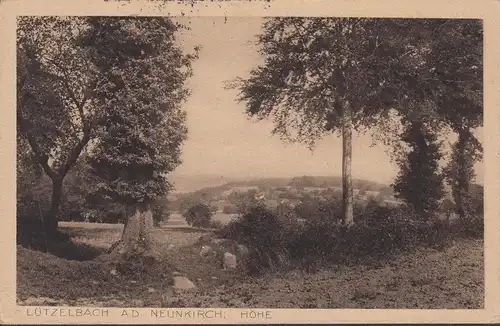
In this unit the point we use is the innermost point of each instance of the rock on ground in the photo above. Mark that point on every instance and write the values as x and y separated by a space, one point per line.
183 283
229 261
243 250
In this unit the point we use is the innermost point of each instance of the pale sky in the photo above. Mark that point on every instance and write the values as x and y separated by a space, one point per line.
223 141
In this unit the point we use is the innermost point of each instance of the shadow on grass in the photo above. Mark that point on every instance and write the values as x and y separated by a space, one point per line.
96 233
61 245
74 251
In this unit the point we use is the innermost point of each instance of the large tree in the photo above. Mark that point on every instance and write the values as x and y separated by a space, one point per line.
322 76
57 111
459 66
110 85
419 182
443 87
144 123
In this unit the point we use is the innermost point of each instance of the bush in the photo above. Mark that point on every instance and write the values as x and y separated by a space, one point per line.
472 228
199 215
230 209
381 231
215 224
265 235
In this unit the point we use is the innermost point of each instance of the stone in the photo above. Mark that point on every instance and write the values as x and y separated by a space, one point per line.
176 274
183 283
205 251
152 290
171 247
229 261
114 272
243 250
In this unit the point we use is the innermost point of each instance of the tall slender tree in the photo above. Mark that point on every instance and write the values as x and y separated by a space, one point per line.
323 76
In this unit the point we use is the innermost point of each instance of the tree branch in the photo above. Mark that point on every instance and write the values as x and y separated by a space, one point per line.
41 158
75 152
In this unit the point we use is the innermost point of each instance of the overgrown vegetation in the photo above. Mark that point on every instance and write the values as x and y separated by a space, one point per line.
276 241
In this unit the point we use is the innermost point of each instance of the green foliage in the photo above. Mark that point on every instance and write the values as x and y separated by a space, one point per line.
199 215
477 200
315 67
116 83
56 108
459 173
145 124
330 209
442 83
160 211
419 182
472 228
277 241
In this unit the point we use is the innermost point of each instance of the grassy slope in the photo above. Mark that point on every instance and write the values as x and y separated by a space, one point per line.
426 278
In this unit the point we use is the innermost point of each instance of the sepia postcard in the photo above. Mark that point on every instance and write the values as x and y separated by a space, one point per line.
261 162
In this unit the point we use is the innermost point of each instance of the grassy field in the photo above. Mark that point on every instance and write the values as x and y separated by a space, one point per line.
426 278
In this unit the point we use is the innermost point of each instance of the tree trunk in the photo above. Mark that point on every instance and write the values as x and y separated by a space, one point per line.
347 192
462 193
136 236
51 219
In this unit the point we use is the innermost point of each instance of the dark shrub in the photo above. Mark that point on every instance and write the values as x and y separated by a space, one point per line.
199 215
381 231
472 228
215 224
230 209
264 233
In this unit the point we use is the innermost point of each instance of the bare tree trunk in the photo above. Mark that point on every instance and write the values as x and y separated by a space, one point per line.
136 236
347 192
50 220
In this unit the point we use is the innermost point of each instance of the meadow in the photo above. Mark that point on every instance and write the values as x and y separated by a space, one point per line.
423 278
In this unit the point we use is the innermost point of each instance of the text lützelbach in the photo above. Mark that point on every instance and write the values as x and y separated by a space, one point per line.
67 312
193 314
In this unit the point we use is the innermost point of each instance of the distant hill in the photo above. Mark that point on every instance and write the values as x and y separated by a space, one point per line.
187 184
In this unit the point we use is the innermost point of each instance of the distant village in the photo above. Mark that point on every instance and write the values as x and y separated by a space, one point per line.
225 198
